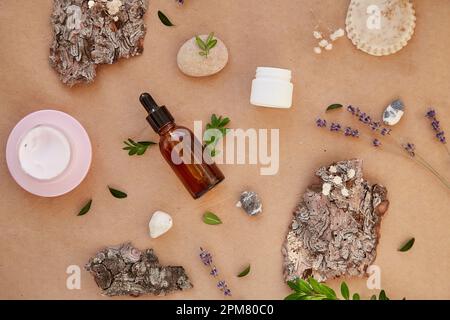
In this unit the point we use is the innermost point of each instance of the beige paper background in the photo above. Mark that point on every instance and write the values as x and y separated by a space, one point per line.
40 238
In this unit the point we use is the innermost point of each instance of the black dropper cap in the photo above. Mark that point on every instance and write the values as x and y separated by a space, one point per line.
158 116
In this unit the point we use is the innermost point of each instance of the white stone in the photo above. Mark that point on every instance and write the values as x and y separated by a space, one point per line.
329 47
323 43
393 113
333 169
326 188
317 35
193 64
317 50
159 224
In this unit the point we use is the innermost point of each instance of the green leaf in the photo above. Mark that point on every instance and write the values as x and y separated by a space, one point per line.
224 122
295 296
344 291
373 297
210 37
316 297
293 285
211 218
304 286
382 295
117 193
244 272
164 19
85 208
214 121
211 44
334 106
200 43
331 295
315 285
408 245
356 296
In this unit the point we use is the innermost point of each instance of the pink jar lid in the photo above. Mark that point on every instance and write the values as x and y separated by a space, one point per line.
81 153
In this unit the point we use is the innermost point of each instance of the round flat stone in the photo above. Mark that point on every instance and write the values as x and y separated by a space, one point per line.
193 64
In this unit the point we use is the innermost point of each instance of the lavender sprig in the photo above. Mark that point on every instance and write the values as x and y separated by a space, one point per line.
411 149
367 120
336 127
207 260
377 127
435 124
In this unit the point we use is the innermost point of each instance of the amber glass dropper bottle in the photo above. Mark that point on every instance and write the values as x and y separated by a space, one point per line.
182 150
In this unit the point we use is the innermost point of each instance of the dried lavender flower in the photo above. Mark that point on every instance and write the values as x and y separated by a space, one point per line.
335 127
385 131
376 143
214 272
222 285
375 125
435 124
441 137
410 148
355 133
430 114
321 123
206 257
348 131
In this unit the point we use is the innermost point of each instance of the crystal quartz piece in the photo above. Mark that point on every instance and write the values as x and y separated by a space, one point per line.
124 270
335 228
159 224
88 33
250 202
393 113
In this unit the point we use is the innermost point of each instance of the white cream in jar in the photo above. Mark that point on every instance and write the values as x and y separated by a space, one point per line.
44 152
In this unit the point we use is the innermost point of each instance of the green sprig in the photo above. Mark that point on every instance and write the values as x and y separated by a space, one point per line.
311 289
207 45
218 123
137 148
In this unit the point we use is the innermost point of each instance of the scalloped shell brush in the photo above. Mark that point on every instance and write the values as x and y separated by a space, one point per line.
380 27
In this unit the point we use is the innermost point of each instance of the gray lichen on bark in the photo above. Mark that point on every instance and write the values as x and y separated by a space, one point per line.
88 33
125 270
335 228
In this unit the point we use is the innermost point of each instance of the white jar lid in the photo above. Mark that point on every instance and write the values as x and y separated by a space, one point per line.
272 88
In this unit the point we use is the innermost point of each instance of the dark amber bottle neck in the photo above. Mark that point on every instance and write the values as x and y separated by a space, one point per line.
166 128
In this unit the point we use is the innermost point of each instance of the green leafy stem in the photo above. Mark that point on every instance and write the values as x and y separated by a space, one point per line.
311 289
207 45
218 123
137 148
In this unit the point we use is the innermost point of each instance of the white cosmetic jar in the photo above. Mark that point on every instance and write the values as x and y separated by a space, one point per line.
272 87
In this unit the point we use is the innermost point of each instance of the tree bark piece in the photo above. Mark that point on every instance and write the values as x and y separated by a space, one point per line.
88 33
335 229
124 270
